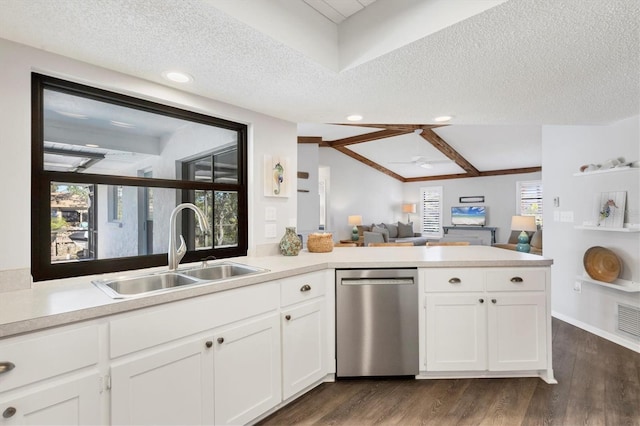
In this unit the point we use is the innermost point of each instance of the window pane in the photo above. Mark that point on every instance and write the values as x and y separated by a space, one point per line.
225 216
432 211
83 135
72 222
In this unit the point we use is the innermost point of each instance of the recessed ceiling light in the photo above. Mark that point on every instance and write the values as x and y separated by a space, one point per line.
92 145
442 118
177 76
122 124
354 117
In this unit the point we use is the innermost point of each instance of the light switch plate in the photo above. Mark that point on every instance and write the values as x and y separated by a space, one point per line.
566 216
270 214
556 216
270 230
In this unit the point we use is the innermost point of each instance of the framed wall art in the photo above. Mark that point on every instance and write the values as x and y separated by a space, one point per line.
277 176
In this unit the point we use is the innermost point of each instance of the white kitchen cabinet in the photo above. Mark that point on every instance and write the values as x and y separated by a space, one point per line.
247 371
518 338
304 341
487 319
70 401
456 332
170 385
51 377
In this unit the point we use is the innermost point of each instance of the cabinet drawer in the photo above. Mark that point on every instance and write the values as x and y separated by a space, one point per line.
516 279
302 287
453 279
154 326
47 354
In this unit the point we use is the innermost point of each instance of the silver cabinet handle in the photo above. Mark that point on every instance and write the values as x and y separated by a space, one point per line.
6 366
9 412
516 280
305 287
455 280
220 339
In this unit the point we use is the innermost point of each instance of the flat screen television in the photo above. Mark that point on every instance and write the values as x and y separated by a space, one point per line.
471 215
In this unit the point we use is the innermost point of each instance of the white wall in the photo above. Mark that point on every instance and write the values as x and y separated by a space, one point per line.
564 150
499 198
267 135
308 202
357 189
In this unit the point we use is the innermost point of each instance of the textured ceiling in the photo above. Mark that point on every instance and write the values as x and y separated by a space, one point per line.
338 10
520 64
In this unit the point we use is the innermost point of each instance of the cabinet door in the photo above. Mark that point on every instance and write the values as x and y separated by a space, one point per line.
456 332
517 331
247 370
303 347
173 385
69 402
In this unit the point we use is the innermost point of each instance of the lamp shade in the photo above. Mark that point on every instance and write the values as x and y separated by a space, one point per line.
355 220
408 208
523 223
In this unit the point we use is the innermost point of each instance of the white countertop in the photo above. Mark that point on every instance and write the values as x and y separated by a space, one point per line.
59 302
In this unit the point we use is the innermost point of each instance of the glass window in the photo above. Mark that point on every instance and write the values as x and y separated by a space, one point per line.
529 199
112 168
432 211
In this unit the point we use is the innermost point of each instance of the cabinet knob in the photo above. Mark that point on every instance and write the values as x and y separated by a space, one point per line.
287 317
208 344
9 412
305 287
220 339
6 366
481 300
455 280
494 301
516 280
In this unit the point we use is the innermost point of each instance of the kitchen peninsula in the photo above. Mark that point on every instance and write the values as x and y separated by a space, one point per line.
254 343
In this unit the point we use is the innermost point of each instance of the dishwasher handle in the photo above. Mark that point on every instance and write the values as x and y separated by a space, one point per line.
377 281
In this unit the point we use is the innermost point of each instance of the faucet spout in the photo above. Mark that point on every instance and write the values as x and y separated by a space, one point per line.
177 253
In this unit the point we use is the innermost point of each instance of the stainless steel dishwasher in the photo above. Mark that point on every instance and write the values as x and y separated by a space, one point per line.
377 322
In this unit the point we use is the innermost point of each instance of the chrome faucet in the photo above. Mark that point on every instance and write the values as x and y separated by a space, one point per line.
176 254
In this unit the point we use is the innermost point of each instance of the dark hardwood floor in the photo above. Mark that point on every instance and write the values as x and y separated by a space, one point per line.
598 384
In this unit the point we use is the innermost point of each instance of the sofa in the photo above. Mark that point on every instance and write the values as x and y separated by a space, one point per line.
535 241
395 232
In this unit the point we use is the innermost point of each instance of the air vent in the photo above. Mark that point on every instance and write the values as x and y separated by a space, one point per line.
629 319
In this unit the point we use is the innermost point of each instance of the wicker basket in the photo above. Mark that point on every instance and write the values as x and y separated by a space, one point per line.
320 243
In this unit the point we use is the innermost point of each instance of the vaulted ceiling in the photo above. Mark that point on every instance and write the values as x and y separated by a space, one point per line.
501 68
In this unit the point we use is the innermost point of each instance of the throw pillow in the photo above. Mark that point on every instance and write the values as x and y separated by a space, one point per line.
383 231
393 229
405 230
362 228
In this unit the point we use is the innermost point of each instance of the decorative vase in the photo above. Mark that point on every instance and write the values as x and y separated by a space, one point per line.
290 244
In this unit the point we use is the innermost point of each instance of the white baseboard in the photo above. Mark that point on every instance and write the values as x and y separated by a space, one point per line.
598 332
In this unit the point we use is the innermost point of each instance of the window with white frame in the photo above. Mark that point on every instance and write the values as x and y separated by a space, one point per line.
431 211
529 199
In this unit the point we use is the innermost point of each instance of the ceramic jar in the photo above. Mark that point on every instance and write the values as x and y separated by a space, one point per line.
290 244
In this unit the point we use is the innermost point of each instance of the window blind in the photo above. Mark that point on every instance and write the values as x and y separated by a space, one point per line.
431 211
530 199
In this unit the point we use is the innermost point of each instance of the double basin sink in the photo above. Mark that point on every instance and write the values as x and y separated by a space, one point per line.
126 287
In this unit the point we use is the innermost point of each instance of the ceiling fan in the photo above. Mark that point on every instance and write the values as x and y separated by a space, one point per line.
423 162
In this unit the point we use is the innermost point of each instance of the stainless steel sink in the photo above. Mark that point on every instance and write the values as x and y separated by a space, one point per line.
221 271
126 287
133 286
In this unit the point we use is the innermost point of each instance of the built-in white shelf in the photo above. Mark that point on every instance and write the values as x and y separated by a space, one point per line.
627 228
618 284
612 170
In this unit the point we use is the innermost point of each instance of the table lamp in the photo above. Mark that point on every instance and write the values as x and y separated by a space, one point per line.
408 209
355 221
524 224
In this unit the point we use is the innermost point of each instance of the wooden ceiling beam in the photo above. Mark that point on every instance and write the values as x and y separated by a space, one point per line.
439 143
313 139
482 174
364 160
367 137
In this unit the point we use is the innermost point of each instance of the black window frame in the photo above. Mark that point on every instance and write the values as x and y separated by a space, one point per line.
41 179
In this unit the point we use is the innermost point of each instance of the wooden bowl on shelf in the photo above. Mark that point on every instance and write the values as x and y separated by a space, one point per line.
602 264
